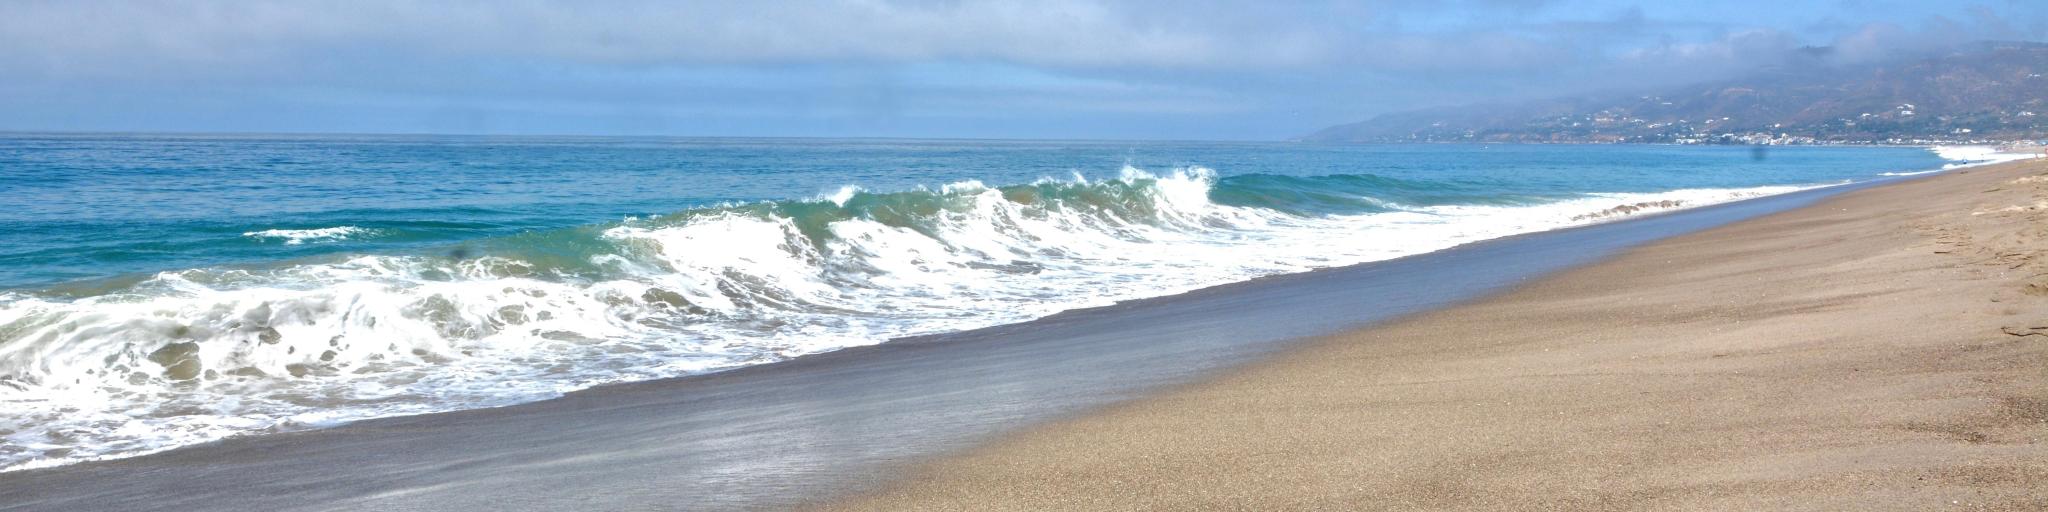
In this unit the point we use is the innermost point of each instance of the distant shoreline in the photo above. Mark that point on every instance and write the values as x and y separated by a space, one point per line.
2025 143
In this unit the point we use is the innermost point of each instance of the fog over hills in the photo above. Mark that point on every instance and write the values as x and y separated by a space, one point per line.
1979 91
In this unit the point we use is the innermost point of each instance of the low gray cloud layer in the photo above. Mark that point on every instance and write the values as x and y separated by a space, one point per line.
1062 68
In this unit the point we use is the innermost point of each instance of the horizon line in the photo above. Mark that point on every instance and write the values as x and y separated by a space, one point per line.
11 131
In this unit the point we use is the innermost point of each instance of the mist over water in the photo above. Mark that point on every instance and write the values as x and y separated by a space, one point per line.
168 291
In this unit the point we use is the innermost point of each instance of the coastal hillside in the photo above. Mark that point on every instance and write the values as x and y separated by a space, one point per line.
1995 91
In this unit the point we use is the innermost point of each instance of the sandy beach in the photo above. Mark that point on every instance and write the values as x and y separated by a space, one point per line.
1884 349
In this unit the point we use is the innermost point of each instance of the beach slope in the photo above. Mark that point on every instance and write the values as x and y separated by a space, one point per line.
1883 349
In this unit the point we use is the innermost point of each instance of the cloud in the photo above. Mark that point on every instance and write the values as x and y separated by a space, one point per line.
1481 35
1067 33
1229 69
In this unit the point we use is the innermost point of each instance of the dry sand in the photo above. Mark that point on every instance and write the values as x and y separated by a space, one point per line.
1885 349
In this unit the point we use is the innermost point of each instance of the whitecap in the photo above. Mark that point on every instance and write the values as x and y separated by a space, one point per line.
301 236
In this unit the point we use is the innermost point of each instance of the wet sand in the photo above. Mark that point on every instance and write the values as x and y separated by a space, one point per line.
1885 349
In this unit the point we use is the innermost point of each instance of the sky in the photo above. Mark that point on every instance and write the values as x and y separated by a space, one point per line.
1050 69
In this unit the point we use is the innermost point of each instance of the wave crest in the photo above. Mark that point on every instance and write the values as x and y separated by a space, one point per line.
301 236
196 355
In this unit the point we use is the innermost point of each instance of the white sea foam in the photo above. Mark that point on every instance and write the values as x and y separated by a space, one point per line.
841 196
1917 173
198 355
300 236
1969 156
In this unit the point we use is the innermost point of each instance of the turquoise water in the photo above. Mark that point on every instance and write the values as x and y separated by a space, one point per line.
83 207
157 291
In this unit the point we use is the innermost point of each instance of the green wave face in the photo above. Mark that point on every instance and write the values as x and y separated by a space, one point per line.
1136 199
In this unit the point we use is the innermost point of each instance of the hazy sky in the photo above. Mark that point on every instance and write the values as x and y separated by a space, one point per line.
1042 69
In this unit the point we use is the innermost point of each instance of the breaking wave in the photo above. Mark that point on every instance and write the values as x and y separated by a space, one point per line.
301 236
196 355
1971 156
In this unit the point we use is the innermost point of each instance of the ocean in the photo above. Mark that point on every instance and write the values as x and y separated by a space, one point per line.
164 290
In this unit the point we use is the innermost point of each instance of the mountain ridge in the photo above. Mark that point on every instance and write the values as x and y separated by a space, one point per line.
1986 91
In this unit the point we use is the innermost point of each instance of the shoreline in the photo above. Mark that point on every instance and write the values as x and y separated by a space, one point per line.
792 432
424 319
1886 348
